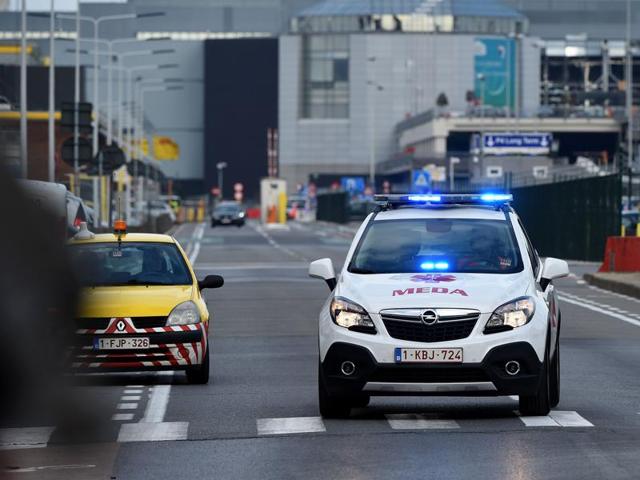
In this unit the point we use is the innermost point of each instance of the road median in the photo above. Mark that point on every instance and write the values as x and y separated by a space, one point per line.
623 283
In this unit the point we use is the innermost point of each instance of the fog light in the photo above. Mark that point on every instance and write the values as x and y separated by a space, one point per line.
348 368
512 367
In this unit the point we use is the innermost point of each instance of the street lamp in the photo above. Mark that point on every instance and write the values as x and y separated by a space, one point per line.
220 166
372 121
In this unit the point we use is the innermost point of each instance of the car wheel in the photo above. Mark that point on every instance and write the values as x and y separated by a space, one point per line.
539 403
330 405
554 376
199 374
213 224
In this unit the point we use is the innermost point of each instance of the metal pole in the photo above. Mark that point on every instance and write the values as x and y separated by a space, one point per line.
23 92
109 96
76 100
120 114
629 98
96 76
52 101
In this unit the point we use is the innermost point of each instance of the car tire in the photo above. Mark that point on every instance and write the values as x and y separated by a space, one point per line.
199 374
331 406
539 403
213 224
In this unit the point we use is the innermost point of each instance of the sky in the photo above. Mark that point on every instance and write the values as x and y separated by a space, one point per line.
60 4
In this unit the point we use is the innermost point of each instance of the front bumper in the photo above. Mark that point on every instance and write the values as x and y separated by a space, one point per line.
170 348
487 377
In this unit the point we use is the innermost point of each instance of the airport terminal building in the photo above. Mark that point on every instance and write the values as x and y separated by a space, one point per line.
356 87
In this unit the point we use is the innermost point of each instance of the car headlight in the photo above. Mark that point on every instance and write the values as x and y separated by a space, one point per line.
350 315
185 313
241 214
511 315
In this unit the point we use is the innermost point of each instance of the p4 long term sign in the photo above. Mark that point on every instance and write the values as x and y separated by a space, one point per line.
516 143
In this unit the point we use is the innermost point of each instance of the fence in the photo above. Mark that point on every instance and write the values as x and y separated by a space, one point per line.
571 219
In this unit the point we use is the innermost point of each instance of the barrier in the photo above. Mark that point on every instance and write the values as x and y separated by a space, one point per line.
621 254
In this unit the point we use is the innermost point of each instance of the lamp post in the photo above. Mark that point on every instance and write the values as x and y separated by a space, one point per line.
221 166
23 90
52 101
629 100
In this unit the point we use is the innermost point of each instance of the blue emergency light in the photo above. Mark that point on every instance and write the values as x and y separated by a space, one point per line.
494 199
434 266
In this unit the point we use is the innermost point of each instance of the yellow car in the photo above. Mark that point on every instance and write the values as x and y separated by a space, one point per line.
141 306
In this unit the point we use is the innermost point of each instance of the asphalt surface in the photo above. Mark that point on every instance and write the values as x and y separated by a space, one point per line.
258 417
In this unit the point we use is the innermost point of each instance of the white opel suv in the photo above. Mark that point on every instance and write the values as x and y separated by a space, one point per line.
440 295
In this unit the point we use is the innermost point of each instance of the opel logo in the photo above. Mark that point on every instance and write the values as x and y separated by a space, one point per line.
429 317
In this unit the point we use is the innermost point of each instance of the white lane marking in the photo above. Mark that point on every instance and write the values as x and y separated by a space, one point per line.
284 426
569 419
40 468
27 437
153 432
132 391
157 404
412 421
130 398
557 418
276 245
581 282
541 421
120 417
585 304
615 294
127 406
514 397
196 239
135 386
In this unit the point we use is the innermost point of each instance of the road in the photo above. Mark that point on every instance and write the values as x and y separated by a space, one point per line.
258 417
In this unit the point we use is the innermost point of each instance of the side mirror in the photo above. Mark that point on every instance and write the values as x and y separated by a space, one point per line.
211 281
323 269
551 269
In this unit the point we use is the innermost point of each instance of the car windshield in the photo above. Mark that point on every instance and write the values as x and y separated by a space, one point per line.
437 245
139 263
227 209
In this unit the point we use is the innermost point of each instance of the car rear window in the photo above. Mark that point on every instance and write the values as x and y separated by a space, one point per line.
452 245
129 263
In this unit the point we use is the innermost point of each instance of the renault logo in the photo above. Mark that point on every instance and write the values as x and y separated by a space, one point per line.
429 317
120 326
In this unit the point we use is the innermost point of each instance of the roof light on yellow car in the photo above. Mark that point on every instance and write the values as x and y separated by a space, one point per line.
119 227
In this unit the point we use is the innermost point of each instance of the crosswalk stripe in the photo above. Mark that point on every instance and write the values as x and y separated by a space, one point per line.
127 406
570 419
284 426
412 421
119 417
153 432
130 398
557 418
27 437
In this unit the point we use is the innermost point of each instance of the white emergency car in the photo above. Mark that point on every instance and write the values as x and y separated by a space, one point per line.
440 295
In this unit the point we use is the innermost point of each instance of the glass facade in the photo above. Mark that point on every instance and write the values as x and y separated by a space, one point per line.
325 76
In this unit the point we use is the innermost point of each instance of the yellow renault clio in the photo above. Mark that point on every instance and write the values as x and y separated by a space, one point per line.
141 305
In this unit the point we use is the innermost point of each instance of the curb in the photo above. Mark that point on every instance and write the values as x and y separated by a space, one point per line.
612 285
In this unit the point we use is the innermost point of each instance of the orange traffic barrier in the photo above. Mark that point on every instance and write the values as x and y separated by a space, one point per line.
621 254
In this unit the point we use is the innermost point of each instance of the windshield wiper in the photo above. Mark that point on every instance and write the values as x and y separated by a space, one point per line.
364 271
134 281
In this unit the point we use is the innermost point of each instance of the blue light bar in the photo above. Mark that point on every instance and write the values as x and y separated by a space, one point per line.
424 198
445 199
496 197
434 266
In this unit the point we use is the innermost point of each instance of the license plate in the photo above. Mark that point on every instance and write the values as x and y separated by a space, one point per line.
428 355
226 220
122 343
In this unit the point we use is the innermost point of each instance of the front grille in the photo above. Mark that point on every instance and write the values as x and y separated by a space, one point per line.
149 322
92 323
433 374
413 329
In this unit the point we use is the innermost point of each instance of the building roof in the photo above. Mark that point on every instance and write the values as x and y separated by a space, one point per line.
477 8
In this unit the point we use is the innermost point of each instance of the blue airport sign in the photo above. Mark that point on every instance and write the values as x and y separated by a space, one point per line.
517 143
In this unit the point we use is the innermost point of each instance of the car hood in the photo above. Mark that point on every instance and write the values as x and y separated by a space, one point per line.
478 291
132 301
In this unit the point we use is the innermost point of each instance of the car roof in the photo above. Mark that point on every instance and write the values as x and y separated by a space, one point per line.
129 237
451 212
